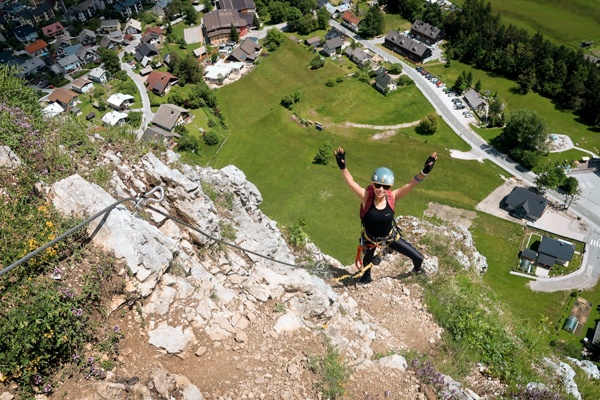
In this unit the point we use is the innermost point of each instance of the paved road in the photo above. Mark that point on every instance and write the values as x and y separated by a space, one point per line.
147 113
585 208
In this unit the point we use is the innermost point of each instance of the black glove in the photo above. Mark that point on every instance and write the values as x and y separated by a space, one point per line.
340 157
428 165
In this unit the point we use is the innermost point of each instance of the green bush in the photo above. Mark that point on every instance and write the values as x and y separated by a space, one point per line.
324 154
211 138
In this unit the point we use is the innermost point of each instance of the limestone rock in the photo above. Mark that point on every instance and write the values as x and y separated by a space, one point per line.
172 339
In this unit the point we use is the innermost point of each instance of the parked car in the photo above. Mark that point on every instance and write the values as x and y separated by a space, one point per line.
419 69
456 100
434 80
468 115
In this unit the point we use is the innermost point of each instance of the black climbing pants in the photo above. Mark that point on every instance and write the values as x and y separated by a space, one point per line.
402 247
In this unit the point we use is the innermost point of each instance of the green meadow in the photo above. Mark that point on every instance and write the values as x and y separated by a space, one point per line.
275 150
561 21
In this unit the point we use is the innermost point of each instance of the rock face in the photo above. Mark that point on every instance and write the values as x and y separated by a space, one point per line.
200 294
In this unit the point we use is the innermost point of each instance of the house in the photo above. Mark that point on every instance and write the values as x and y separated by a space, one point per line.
87 37
333 12
145 50
169 115
98 75
159 7
69 63
160 83
88 55
247 51
221 70
525 204
527 260
156 134
475 101
83 11
52 110
108 42
68 50
200 51
109 25
351 21
217 25
313 42
25 34
408 47
242 6
425 32
64 97
334 32
31 67
53 30
82 85
384 82
332 46
116 36
133 26
114 118
39 48
358 56
120 101
553 251
152 35
127 8
38 15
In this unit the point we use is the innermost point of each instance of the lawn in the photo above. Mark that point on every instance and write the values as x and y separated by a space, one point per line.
579 19
558 120
275 151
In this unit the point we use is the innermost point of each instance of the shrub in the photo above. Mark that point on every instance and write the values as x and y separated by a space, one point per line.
324 154
317 62
330 83
211 138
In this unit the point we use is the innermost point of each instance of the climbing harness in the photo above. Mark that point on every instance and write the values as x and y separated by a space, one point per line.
141 201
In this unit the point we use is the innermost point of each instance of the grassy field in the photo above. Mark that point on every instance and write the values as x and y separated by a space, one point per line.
276 151
558 120
579 19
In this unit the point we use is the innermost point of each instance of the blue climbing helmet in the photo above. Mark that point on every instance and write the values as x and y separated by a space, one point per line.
383 176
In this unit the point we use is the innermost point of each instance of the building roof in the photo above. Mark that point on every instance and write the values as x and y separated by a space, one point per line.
167 115
334 43
157 81
68 60
236 5
80 83
36 46
410 45
425 29
24 30
533 204
246 51
528 253
97 72
546 259
52 110
313 41
32 64
220 21
62 95
351 18
154 29
212 72
154 132
474 99
383 79
52 28
556 248
113 117
134 23
118 98
109 23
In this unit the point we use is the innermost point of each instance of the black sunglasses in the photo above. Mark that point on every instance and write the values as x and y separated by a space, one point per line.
378 185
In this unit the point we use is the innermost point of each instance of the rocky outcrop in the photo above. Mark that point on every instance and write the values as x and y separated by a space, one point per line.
200 294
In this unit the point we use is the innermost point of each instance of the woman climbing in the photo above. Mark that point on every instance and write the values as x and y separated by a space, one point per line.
377 213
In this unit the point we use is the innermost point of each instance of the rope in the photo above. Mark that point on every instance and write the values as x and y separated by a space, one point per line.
140 201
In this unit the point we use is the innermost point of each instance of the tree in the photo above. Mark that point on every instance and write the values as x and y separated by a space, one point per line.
135 119
372 24
549 177
526 129
409 9
317 62
256 22
188 142
110 58
323 18
234 35
188 68
293 17
478 86
308 24
211 138
571 190
208 5
191 15
395 69
324 154
277 12
428 125
273 39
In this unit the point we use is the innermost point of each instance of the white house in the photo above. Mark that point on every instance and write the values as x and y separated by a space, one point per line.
120 101
114 118
98 75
